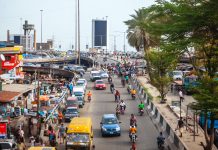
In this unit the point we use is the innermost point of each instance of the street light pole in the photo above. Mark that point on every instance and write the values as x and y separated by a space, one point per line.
78 33
124 41
41 30
106 36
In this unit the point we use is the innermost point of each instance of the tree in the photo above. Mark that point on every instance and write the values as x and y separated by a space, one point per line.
161 63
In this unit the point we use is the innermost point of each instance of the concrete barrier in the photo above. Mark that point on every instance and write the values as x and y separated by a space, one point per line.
172 139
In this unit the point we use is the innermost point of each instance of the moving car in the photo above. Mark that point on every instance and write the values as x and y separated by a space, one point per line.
110 125
82 84
72 102
83 80
104 74
99 84
70 113
95 75
176 75
80 94
80 134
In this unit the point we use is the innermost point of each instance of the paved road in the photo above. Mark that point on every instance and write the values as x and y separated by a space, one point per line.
103 102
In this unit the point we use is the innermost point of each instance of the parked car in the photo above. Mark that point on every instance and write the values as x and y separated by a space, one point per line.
8 144
110 125
70 113
99 84
95 75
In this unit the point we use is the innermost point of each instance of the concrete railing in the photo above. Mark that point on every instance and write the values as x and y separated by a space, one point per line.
172 139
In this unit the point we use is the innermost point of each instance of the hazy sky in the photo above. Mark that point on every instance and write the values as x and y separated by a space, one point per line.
59 18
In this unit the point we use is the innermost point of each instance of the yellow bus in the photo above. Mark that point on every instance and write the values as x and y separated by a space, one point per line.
42 148
80 133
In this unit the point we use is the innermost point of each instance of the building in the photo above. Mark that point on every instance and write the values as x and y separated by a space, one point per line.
45 46
20 39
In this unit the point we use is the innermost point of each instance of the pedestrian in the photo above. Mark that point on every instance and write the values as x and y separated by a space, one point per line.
32 141
21 145
21 133
61 133
181 96
60 117
180 126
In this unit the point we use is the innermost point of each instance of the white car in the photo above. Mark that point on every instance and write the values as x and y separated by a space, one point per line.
104 74
81 84
84 80
177 75
95 75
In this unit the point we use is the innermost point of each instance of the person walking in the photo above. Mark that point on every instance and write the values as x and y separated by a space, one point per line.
180 126
61 133
181 96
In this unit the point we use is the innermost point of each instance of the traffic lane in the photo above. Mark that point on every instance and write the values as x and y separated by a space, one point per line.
101 61
102 103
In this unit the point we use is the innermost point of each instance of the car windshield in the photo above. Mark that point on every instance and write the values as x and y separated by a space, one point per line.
110 121
79 84
82 138
5 146
99 82
95 74
78 93
71 111
79 68
69 102
177 73
81 81
103 73
80 98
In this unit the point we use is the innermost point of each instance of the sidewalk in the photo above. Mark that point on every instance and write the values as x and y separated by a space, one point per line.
172 118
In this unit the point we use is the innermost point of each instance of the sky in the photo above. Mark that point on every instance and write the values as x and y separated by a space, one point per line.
58 18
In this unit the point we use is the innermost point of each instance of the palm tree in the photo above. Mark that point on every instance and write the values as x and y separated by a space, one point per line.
138 35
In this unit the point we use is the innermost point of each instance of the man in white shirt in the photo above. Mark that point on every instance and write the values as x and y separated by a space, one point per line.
181 96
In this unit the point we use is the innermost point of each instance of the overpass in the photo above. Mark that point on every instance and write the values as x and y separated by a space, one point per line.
46 70
86 61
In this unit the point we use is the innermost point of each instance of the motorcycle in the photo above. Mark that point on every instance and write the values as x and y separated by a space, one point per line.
141 112
122 109
89 98
160 143
133 123
117 98
128 90
112 90
53 143
109 80
118 114
133 96
133 137
123 83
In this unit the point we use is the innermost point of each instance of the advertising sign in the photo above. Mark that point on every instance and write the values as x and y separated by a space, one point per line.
99 32
3 130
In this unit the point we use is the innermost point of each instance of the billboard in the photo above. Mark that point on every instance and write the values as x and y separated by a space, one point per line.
99 33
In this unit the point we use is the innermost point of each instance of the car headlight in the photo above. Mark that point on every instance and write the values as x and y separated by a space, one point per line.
117 128
104 129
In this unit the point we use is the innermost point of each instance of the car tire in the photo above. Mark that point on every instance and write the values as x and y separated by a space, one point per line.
119 134
102 135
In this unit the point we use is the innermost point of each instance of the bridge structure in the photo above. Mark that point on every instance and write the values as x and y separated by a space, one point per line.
86 61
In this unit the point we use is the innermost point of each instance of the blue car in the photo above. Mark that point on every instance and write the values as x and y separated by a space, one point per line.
110 125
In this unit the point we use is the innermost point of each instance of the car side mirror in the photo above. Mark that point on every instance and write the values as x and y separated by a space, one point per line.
120 122
14 145
101 123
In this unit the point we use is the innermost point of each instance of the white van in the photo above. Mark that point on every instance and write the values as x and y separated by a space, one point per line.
95 75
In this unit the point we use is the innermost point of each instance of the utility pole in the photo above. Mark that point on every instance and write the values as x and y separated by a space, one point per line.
41 30
78 33
76 24
124 45
106 36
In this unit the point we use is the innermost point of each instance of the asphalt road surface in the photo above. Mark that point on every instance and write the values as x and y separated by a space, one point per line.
103 103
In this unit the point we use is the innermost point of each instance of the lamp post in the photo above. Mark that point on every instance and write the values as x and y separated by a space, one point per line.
78 32
41 30
106 36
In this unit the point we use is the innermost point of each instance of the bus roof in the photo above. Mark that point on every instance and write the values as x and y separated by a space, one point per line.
80 125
